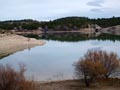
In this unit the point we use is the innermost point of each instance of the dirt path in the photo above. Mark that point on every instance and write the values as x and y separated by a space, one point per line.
78 85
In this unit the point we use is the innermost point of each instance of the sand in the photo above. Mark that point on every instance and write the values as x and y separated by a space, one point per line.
12 43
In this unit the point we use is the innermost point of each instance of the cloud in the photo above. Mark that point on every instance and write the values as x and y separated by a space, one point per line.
96 3
96 10
51 9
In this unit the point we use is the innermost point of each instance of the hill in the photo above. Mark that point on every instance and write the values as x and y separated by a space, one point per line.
19 24
67 23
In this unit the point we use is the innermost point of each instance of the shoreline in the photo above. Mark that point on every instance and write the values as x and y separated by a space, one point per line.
12 43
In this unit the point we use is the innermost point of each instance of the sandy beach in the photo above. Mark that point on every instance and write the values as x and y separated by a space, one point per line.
12 43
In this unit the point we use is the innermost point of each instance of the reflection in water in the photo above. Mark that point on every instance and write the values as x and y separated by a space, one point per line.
55 59
29 48
73 37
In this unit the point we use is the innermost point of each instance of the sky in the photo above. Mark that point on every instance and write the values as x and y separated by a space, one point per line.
44 10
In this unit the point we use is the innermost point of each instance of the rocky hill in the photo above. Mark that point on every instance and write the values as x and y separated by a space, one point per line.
115 30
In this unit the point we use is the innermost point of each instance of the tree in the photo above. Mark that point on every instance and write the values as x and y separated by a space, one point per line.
96 64
110 62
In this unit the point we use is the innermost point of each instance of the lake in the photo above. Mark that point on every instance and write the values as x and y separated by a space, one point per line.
55 59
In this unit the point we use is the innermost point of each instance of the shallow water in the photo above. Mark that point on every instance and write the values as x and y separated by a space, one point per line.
55 59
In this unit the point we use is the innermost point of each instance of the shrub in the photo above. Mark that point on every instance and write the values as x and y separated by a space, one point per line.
14 80
110 62
96 64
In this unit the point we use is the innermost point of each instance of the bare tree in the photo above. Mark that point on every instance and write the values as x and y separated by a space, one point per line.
89 69
110 62
96 64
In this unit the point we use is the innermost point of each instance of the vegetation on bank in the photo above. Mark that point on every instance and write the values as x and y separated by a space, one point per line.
11 79
67 23
95 65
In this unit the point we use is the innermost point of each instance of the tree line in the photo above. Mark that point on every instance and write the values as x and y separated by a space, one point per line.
67 23
27 24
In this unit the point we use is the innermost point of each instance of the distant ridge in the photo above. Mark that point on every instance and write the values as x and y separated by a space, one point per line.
66 23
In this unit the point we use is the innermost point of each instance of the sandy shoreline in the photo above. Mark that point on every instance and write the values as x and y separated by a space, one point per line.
12 43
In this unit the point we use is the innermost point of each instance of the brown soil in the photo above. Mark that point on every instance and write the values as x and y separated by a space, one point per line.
110 84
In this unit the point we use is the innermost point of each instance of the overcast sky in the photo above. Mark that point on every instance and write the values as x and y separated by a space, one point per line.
52 9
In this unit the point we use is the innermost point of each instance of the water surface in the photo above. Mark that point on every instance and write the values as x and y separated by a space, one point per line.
55 59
